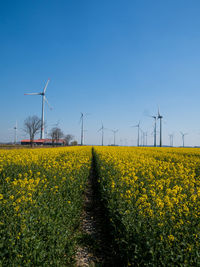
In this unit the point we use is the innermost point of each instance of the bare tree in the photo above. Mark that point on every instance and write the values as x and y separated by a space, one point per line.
68 138
56 134
32 125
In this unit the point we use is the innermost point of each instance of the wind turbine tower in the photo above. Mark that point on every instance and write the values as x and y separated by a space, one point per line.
43 102
114 133
171 139
160 118
82 130
142 137
102 133
145 135
82 126
155 119
183 137
138 139
15 128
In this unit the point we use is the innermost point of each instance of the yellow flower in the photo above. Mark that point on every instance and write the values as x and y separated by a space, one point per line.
171 237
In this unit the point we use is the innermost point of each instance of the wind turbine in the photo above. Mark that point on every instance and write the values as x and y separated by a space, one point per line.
171 139
15 128
183 137
160 118
142 137
145 138
43 102
138 139
155 119
81 120
82 127
114 133
102 133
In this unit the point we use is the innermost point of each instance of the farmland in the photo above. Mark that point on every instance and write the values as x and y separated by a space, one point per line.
151 198
41 202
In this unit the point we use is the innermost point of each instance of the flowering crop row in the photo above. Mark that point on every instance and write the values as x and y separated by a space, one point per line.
40 204
153 200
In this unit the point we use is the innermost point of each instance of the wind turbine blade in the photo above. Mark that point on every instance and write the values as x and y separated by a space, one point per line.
33 94
45 88
48 103
81 117
158 111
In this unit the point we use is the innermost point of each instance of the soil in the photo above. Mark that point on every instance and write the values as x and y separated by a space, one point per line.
94 249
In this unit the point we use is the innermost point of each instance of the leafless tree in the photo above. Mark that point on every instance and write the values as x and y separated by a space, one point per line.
56 133
32 125
68 138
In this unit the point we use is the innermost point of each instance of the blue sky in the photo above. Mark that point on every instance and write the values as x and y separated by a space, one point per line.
117 60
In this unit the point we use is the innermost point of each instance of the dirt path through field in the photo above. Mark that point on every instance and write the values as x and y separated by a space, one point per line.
94 249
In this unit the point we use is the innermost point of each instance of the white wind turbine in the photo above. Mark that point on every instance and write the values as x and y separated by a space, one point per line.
15 128
82 126
160 118
43 102
15 132
102 133
114 134
138 139
183 137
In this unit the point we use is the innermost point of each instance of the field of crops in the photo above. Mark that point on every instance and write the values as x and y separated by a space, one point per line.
151 198
40 204
153 201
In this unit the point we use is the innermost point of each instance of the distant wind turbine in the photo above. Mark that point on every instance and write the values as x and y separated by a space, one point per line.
82 127
183 137
155 119
102 133
142 137
43 102
82 131
138 139
160 118
114 133
171 139
15 128
145 137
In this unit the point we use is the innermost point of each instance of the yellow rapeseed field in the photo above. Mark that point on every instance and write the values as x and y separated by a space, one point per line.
153 197
40 204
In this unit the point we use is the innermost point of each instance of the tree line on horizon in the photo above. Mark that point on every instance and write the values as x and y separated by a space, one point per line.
33 124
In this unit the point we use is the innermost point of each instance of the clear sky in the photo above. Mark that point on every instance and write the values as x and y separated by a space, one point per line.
115 59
